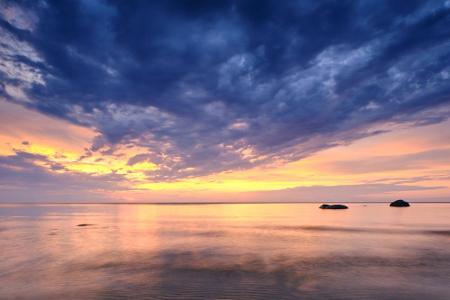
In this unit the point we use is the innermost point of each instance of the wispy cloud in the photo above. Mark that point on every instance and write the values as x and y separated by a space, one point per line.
208 87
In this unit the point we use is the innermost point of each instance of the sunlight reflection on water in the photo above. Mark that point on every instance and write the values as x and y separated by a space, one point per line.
239 251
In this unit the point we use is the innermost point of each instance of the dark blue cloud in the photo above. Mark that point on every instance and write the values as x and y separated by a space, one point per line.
208 86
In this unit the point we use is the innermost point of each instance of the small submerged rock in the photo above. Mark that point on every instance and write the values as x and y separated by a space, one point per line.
333 206
399 203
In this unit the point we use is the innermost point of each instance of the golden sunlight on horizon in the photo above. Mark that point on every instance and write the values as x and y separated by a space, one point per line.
182 149
385 157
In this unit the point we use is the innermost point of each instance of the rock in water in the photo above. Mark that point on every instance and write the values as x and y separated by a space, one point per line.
399 203
333 206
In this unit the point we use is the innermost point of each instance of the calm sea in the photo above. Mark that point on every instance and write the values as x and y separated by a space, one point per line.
224 251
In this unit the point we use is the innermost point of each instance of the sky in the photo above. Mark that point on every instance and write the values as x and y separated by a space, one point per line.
203 101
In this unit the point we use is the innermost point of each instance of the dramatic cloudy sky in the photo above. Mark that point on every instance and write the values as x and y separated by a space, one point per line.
224 100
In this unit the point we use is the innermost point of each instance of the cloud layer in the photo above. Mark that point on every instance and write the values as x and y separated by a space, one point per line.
210 86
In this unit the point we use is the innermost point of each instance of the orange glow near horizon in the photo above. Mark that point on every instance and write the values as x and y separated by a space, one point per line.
66 144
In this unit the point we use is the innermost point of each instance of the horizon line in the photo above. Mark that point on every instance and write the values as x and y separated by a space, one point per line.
212 203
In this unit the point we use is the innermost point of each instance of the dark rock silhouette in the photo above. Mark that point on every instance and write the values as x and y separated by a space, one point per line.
399 203
333 206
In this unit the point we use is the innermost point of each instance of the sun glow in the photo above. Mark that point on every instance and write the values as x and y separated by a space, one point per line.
56 151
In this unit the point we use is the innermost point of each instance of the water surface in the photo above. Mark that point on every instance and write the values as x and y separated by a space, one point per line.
224 251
